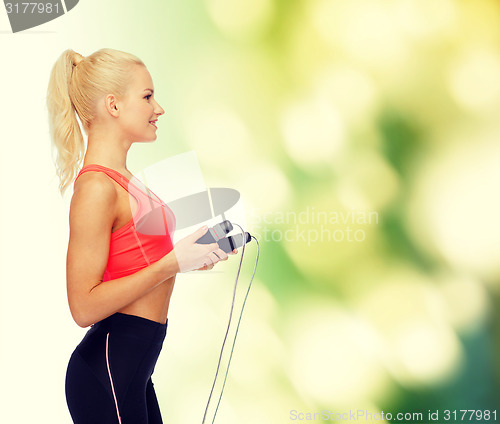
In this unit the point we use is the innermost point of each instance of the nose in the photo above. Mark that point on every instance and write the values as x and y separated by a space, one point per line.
158 109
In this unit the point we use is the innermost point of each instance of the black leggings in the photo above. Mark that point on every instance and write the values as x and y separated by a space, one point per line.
108 380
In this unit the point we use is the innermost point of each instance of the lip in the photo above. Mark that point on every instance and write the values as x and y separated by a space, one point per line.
153 124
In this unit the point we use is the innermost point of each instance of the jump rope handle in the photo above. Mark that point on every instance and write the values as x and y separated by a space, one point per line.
217 234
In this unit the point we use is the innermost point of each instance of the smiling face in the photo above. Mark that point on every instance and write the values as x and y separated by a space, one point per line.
139 110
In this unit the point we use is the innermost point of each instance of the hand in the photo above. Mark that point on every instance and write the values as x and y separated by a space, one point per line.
192 256
209 267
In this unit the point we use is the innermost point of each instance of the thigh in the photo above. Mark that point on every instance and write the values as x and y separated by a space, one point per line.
136 395
109 374
154 414
105 381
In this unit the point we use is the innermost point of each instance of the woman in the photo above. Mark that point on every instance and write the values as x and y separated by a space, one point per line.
119 277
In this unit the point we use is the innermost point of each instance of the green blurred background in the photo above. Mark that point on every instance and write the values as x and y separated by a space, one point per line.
363 136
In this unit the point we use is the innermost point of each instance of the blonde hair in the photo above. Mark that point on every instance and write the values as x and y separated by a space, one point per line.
76 84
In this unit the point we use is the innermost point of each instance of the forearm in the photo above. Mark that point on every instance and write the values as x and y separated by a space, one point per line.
109 297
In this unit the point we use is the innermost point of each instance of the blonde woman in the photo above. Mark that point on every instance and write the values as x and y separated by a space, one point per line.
119 277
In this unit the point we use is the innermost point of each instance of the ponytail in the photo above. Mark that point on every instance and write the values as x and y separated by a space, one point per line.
63 126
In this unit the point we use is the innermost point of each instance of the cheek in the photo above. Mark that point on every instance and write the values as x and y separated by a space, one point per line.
147 110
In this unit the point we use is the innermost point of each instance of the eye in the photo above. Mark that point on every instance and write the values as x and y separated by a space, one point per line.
148 96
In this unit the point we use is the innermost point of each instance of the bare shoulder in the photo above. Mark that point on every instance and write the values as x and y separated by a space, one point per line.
94 191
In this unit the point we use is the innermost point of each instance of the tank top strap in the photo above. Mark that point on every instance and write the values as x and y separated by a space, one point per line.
115 175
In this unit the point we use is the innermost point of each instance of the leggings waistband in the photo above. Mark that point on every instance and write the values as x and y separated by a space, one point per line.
139 326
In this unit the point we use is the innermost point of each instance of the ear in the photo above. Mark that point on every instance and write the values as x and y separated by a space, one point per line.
111 105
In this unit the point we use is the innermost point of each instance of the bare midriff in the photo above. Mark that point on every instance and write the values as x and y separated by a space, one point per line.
153 305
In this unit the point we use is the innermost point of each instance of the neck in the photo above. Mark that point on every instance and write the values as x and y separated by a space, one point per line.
107 152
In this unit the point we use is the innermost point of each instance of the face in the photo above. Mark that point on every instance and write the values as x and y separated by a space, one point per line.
139 110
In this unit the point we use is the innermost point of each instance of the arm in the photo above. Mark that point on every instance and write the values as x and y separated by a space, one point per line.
92 213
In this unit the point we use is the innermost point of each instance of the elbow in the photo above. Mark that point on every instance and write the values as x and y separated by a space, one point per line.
83 323
81 320
80 316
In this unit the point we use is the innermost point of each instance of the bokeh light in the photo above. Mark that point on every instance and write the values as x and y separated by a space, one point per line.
363 136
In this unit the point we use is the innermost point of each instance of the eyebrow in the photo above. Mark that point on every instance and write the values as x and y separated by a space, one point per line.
150 89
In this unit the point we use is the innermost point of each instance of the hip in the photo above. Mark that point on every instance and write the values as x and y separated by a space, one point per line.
126 335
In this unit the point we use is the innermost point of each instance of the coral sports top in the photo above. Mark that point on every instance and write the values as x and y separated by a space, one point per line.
146 238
